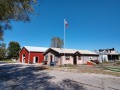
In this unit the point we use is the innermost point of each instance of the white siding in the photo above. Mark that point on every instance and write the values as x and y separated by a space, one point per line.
88 58
103 58
61 60
79 61
54 59
67 61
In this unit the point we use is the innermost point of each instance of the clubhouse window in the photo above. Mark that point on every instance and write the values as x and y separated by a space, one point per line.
67 57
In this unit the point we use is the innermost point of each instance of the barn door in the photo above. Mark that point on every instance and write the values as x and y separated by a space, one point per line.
74 60
35 59
23 58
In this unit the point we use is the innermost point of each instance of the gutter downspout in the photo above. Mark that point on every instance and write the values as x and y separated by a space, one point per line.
29 58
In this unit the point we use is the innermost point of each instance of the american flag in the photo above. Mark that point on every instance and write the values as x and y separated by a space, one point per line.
66 23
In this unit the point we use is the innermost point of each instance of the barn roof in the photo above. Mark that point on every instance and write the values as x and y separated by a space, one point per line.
72 51
35 49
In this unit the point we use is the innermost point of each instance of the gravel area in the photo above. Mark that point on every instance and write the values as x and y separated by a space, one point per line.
32 77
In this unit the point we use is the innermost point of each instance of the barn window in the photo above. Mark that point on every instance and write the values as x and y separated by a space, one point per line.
67 57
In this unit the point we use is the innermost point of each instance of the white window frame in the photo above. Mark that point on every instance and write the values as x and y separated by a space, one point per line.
67 57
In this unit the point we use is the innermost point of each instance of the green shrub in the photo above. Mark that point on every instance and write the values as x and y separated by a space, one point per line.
118 63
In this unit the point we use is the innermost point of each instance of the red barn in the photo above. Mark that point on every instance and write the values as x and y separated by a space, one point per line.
30 54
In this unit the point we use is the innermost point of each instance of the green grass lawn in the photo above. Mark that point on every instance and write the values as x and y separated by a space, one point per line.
114 69
7 61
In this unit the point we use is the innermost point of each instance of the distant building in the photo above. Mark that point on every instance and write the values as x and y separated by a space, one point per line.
30 54
59 56
108 55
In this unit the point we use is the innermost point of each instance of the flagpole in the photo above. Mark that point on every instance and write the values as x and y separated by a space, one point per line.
64 38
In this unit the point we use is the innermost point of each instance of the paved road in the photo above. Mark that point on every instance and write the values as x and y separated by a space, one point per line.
30 77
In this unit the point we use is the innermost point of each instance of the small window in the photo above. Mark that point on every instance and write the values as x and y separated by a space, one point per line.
46 57
90 58
67 57
79 57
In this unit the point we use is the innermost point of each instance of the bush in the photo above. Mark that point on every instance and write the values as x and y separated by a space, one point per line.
45 62
95 61
68 65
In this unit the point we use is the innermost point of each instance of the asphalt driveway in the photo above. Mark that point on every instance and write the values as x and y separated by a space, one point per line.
30 77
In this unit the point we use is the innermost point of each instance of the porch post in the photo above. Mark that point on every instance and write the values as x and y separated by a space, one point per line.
111 57
83 58
77 60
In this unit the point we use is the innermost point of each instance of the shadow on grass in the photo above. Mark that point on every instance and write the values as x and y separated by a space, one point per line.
14 77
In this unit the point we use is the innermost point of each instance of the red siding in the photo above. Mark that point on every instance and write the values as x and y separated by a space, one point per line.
37 54
24 51
32 54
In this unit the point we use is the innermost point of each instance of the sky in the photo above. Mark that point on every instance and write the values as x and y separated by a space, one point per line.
93 25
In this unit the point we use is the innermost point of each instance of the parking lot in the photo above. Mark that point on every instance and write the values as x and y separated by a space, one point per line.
31 77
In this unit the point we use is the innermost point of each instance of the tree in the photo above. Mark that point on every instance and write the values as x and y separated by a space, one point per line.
14 10
2 51
56 42
13 49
